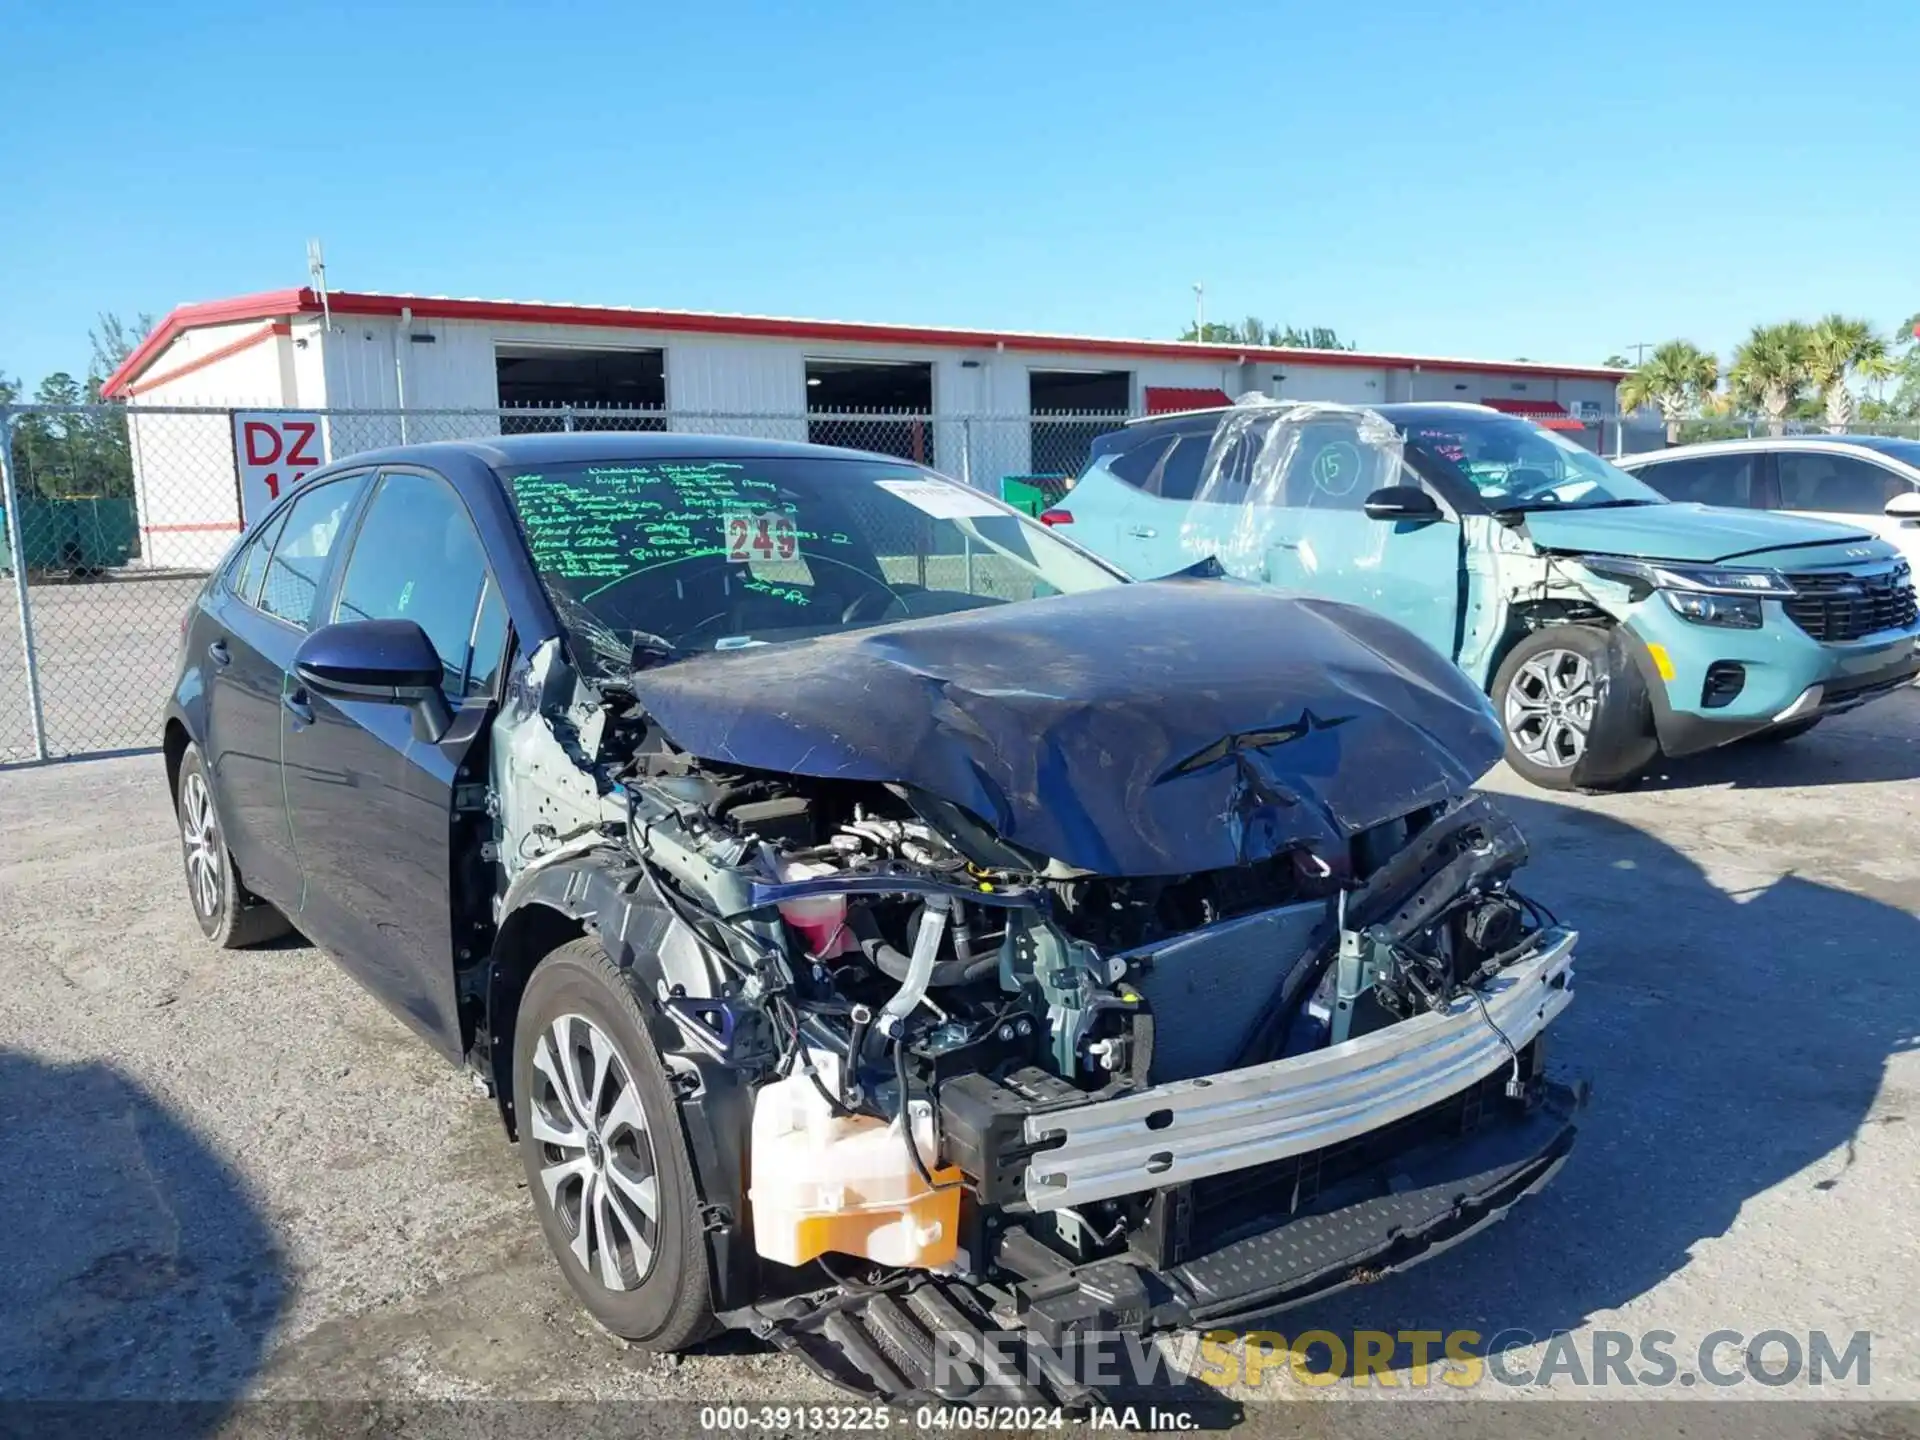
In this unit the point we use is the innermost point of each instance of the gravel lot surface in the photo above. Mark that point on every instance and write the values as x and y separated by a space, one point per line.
235 1175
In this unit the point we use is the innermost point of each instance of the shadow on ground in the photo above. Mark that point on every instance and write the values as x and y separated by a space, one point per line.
1845 750
1733 1040
133 1263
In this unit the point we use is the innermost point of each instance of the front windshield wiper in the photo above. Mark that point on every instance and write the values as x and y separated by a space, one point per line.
642 651
649 650
1530 506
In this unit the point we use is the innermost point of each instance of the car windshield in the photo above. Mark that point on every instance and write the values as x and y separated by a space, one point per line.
1515 465
683 555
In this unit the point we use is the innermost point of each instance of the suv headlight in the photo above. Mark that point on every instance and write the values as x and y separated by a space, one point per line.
1706 607
1705 594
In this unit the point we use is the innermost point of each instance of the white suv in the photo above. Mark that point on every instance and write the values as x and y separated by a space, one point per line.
1868 481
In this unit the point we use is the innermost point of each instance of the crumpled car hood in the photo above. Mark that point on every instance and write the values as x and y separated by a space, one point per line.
1148 729
1681 532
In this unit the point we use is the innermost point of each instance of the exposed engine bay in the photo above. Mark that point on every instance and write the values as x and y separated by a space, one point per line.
1060 1089
913 991
878 934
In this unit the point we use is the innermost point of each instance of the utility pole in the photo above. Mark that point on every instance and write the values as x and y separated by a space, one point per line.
1640 348
1199 310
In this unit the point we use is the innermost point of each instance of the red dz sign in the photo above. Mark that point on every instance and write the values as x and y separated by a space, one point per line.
272 452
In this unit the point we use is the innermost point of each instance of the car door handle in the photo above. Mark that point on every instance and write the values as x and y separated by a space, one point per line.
298 706
220 654
1142 532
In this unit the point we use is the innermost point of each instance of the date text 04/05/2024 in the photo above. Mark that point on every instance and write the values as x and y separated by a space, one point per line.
959 1418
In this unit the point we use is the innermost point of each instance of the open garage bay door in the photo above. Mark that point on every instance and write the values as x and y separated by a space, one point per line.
853 402
1087 402
546 378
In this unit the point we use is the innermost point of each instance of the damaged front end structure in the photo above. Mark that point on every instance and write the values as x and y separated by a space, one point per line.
1039 971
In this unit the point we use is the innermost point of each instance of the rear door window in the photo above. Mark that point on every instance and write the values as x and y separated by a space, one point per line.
250 565
299 565
1140 466
1180 475
1706 480
417 557
1835 484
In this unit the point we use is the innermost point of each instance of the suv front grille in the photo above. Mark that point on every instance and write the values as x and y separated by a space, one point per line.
1837 607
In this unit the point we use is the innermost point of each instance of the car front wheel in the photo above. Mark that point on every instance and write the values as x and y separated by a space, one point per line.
1572 711
605 1156
230 915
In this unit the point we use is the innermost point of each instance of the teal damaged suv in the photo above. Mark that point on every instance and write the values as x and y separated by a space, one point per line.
1607 624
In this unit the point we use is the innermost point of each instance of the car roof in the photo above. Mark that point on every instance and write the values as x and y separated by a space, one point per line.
511 452
1196 421
1145 420
1892 446
1884 444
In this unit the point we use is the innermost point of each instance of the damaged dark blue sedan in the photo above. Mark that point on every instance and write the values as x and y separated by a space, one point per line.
879 921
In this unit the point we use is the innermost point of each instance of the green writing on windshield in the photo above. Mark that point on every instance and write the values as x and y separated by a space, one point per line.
596 527
609 521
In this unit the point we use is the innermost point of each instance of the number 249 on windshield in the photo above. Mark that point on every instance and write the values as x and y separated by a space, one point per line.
761 537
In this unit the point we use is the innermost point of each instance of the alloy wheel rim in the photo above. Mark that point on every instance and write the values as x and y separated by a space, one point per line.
597 1163
200 838
1550 705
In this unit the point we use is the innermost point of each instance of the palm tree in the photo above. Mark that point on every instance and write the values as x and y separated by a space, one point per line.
1837 349
1906 369
1770 370
1676 377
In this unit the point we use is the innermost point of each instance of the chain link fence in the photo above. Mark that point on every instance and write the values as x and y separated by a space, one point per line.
1748 427
113 515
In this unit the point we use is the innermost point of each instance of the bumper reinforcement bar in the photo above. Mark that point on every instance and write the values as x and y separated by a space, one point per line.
1190 1129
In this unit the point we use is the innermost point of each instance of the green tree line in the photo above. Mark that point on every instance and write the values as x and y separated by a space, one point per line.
1254 331
83 453
1788 370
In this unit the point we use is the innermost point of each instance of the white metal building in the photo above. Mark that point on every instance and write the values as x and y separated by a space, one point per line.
407 353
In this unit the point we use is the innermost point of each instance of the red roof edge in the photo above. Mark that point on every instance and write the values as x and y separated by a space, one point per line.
266 305
273 304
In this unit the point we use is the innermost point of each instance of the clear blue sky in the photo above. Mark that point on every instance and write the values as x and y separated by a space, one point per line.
1506 181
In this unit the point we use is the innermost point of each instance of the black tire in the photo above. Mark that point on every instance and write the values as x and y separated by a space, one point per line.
1597 733
666 1302
230 915
1792 730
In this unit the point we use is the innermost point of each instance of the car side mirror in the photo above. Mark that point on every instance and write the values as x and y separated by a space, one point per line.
380 662
1904 507
1402 502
